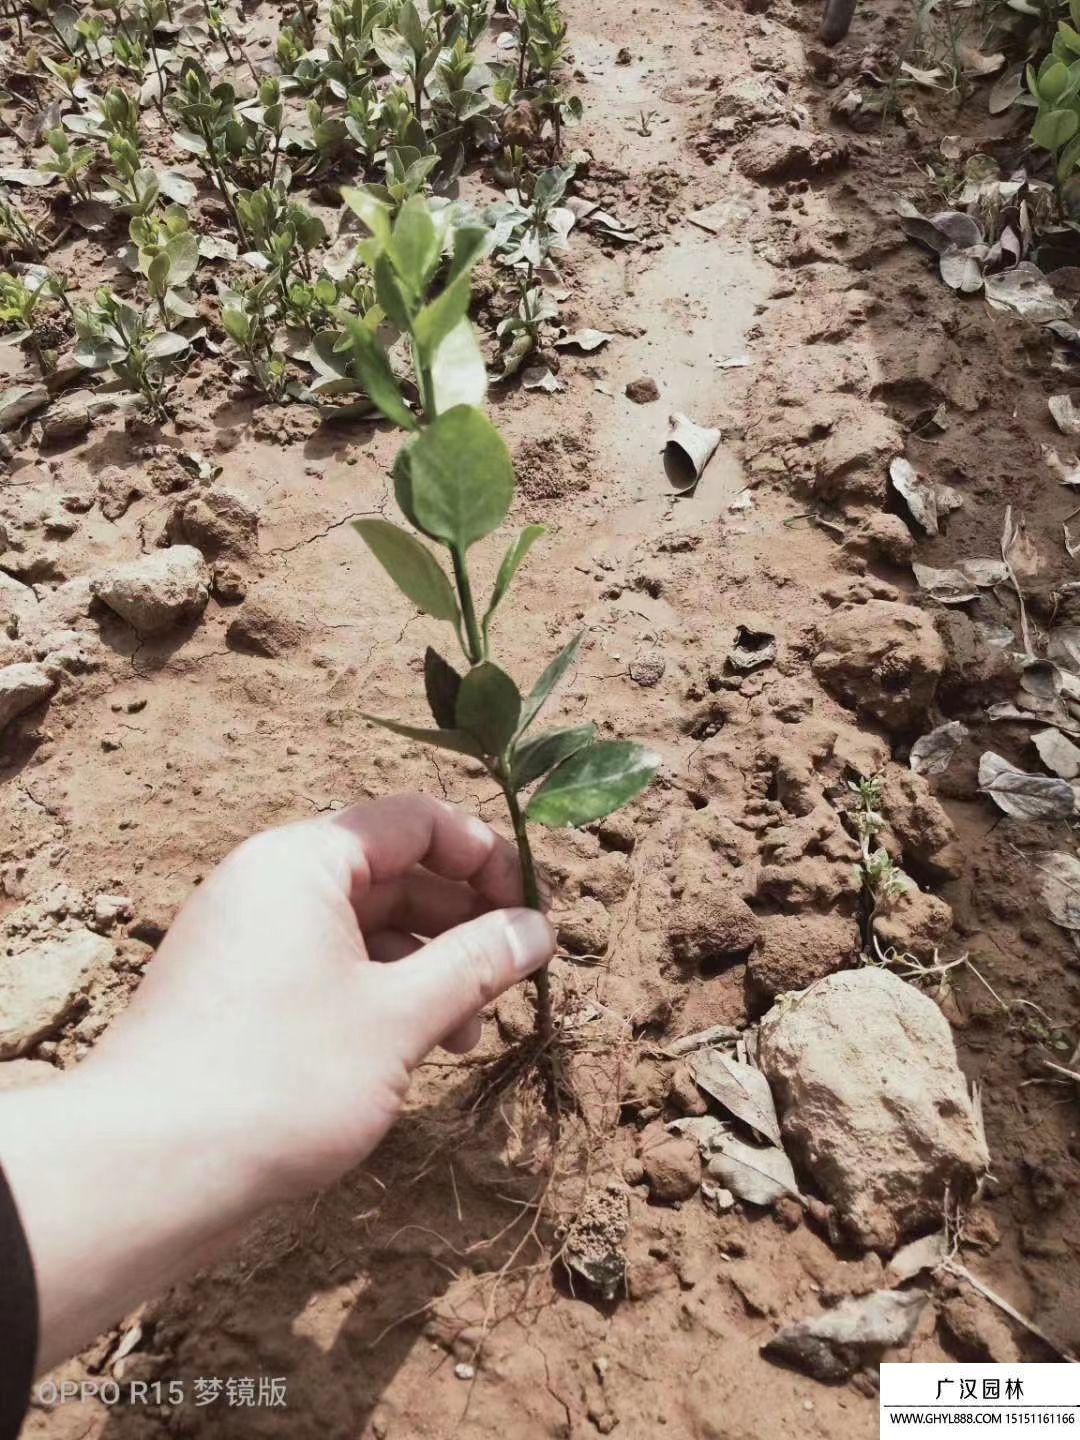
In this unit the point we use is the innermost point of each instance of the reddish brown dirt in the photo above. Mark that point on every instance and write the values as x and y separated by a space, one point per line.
146 770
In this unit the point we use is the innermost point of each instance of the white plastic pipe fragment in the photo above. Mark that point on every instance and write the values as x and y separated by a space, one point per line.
688 450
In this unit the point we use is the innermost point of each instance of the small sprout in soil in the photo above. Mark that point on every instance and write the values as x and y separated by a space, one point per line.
454 482
882 879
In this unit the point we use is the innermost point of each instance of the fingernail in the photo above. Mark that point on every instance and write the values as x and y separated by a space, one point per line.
532 940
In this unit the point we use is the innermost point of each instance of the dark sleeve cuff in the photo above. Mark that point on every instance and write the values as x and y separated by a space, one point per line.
18 1316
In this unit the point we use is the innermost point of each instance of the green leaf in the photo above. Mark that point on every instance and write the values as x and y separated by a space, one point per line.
1055 128
435 321
512 562
375 213
1069 158
409 27
392 49
414 247
165 345
375 372
1053 80
462 479
183 253
548 750
441 683
471 244
549 679
388 293
458 373
489 706
411 566
1069 37
592 783
444 739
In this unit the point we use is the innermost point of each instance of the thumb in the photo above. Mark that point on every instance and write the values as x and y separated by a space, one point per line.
449 980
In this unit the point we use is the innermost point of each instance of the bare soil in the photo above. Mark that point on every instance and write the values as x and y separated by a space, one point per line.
140 775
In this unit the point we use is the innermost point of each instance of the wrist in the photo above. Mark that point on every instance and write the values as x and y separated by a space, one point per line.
118 1196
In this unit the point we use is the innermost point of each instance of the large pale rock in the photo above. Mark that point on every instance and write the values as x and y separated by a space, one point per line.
874 1107
40 986
21 686
159 590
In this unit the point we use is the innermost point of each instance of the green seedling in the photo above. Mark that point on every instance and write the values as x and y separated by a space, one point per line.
212 131
1055 90
69 162
454 483
352 27
114 335
28 311
132 55
881 878
168 257
17 230
406 176
459 103
468 23
527 234
329 140
250 318
364 123
411 48
283 233
542 46
134 189
67 74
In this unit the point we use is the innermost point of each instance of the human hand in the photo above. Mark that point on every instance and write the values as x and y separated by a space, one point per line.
268 1048
292 998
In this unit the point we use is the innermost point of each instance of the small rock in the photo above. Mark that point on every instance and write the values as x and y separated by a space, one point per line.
713 928
230 586
873 1103
796 950
643 390
683 1094
978 1332
623 57
261 629
19 402
40 986
883 536
883 658
116 490
216 521
672 1165
780 152
22 686
913 920
67 419
647 669
584 929
109 910
158 591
